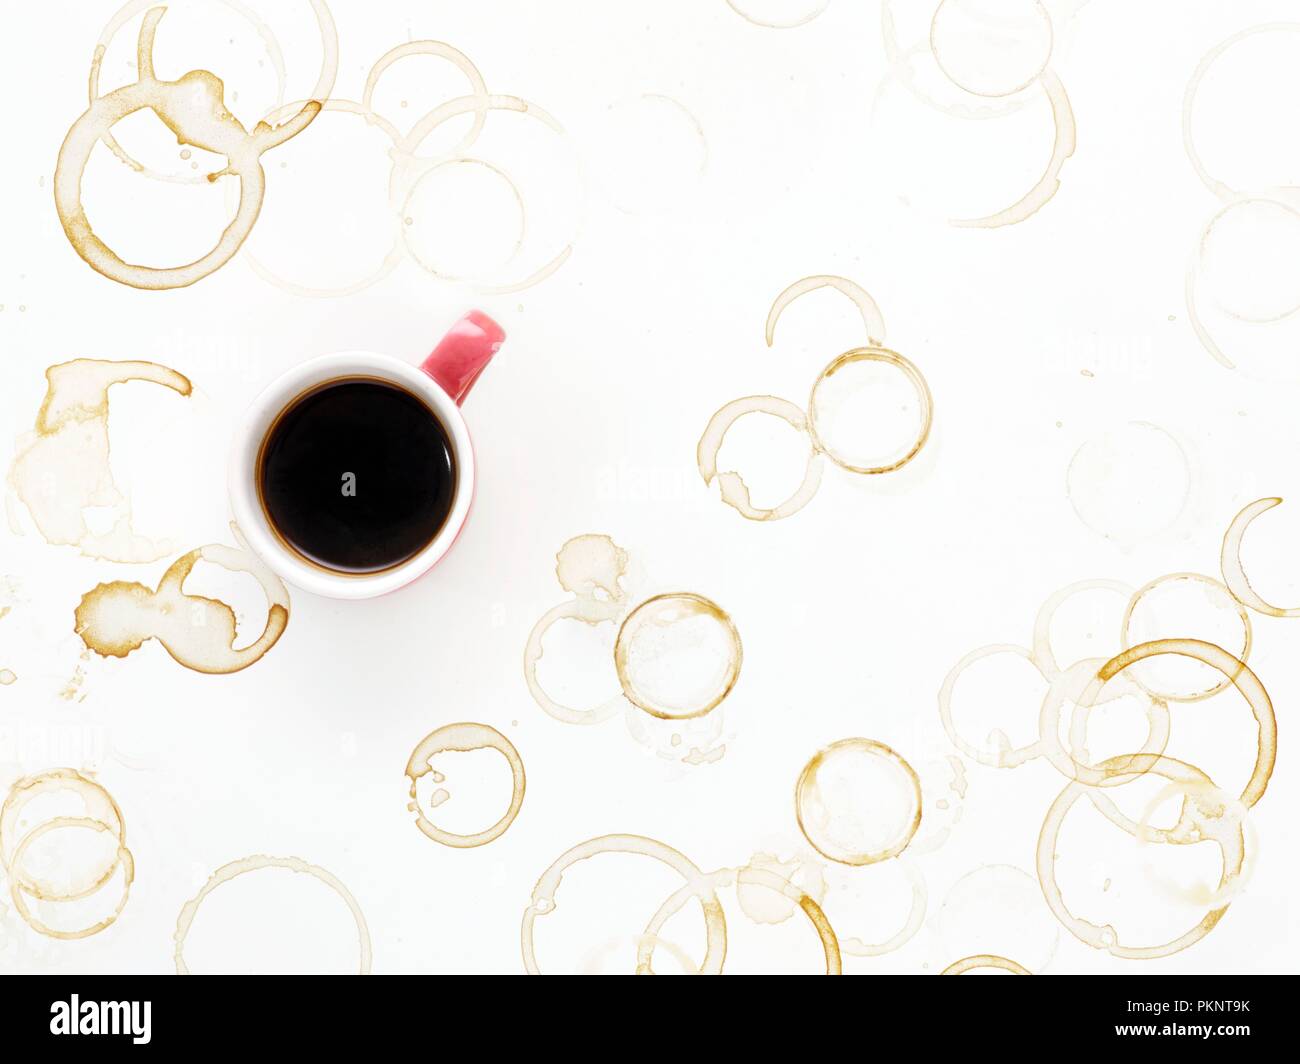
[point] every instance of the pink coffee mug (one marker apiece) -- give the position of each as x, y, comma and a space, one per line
442, 381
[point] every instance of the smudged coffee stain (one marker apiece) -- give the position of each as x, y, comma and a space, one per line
62, 469
592, 568
959, 783
748, 878
914, 377
985, 960
100, 814
1215, 806
1213, 590
324, 83
943, 792
115, 619
644, 645
255, 863
734, 491
698, 885
812, 9
710, 756
193, 108
72, 690
693, 741
821, 821
7, 676
1234, 575
463, 738
1195, 824
872, 320
767, 906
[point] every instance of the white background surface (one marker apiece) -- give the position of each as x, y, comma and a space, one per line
851, 612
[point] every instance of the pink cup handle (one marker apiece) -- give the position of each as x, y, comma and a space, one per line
463, 353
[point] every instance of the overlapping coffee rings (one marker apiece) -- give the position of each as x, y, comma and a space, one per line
732, 487
1005, 92
390, 260
463, 738
1043, 658
817, 819
544, 899
100, 814
697, 885
752, 877
1240, 676
1124, 769
194, 108
1207, 586
408, 169
1264, 192
256, 863
416, 168
676, 656
323, 87
592, 567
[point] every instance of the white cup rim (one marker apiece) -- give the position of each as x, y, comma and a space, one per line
251, 519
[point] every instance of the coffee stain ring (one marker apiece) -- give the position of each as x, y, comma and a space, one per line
914, 377
985, 960
543, 898
872, 319
17, 889
734, 491
324, 83
788, 24
392, 258
100, 806
255, 863
1106, 937
410, 168
1234, 575
806, 790
193, 108
1208, 582
463, 738
662, 611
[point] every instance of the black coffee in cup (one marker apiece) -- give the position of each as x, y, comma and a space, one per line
357, 475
